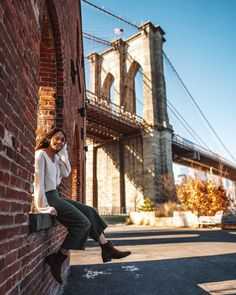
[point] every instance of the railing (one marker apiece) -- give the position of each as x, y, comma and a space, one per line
131, 118
112, 108
190, 145
114, 210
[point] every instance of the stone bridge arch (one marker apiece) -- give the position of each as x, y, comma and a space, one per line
129, 102
106, 87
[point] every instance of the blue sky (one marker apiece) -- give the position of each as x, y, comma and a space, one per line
200, 43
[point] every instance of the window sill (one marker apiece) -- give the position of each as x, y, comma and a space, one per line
40, 221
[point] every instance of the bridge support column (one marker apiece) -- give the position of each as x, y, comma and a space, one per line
157, 163
157, 141
95, 69
122, 178
95, 181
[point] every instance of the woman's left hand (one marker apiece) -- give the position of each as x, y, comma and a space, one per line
53, 212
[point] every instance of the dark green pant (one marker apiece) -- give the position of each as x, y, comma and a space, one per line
80, 220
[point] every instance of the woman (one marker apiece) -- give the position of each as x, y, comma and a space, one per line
51, 165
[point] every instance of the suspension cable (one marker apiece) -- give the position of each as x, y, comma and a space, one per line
196, 136
182, 123
96, 39
110, 13
195, 103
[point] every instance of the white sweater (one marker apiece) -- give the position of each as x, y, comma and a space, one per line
48, 176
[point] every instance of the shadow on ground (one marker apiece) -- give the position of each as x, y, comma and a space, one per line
178, 276
168, 236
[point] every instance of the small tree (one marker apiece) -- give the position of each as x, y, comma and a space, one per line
202, 197
147, 206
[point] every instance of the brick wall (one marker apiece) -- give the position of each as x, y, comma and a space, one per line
39, 42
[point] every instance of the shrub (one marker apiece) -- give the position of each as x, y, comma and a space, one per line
147, 206
202, 197
167, 209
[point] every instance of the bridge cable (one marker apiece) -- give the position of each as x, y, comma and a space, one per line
186, 125
96, 39
182, 123
195, 103
110, 13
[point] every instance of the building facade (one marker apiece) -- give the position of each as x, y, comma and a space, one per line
41, 87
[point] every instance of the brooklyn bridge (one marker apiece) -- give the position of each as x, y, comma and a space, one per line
129, 155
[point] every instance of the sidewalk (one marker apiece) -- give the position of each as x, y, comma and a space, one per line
163, 262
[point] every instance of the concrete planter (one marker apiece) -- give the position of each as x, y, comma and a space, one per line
143, 218
179, 219
185, 218
164, 221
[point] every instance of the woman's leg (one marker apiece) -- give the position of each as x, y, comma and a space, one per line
78, 227
102, 239
96, 232
97, 225
74, 220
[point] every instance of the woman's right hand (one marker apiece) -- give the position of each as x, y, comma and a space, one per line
53, 212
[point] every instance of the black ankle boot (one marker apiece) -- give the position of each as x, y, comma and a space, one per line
110, 252
55, 262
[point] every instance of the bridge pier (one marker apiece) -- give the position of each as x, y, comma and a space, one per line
157, 140
122, 177
157, 163
127, 170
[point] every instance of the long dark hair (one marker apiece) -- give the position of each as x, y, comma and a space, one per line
43, 140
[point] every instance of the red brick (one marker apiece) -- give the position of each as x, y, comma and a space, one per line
10, 281
5, 206
9, 245
4, 178
2, 191
4, 163
20, 218
12, 193
10, 258
6, 219
24, 229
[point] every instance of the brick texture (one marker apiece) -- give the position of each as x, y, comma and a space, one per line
39, 41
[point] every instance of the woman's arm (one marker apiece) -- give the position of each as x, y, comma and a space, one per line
40, 200
64, 163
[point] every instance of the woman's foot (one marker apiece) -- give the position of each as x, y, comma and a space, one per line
55, 262
110, 252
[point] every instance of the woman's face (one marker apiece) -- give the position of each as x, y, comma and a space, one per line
57, 141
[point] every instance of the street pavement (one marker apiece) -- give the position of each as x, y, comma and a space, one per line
163, 262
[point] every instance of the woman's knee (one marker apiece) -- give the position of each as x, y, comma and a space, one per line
87, 225
80, 227
93, 212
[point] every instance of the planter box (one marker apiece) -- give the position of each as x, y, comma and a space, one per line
142, 218
185, 218
164, 221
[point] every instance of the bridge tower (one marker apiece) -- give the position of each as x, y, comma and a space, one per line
152, 147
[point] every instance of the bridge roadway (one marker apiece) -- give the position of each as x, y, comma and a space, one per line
107, 122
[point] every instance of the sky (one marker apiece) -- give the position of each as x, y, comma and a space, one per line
200, 43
